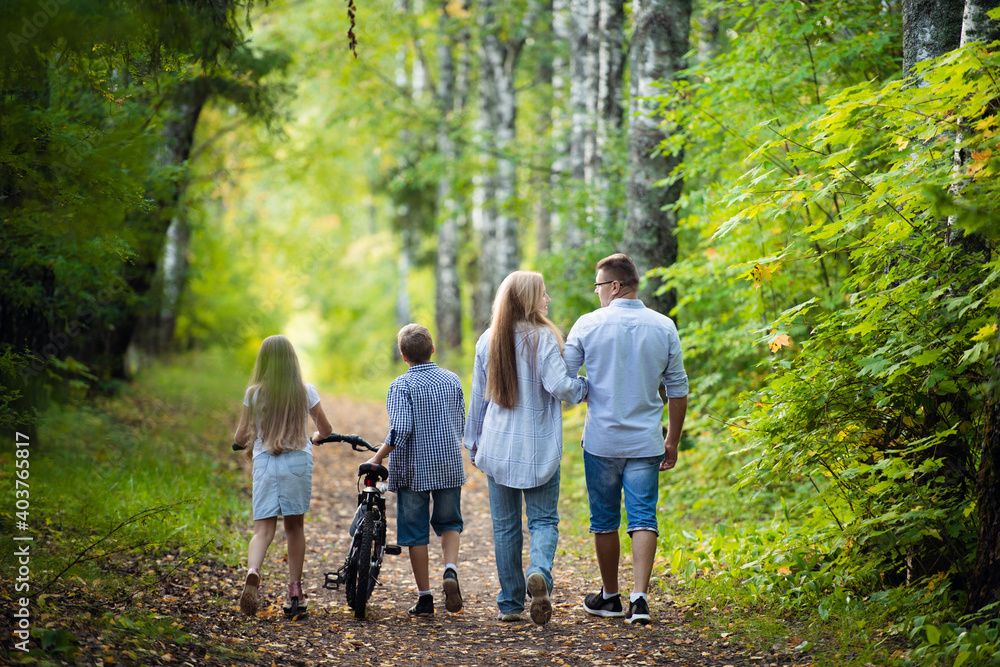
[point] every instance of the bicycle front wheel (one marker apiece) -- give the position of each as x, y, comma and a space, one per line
359, 570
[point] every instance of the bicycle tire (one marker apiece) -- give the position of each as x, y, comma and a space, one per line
363, 557
351, 571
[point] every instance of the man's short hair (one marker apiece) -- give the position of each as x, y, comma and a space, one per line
415, 343
620, 267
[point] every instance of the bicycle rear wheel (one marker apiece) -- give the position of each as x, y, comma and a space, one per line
359, 584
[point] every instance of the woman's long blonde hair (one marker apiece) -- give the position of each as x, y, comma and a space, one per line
277, 398
520, 298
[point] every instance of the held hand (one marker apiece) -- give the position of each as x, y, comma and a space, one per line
315, 436
669, 456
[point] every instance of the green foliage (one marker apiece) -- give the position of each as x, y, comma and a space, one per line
953, 644
837, 307
125, 483
884, 401
149, 463
93, 143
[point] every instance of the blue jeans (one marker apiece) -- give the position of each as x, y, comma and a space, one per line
639, 478
541, 504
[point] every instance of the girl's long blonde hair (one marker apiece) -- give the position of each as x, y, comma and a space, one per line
520, 298
277, 398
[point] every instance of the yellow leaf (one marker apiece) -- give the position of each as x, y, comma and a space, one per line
456, 9
781, 341
985, 332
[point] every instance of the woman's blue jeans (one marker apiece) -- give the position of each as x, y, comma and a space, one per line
541, 504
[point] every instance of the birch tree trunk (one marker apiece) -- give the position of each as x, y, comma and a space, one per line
484, 202
708, 35
400, 211
560, 128
610, 66
149, 334
497, 66
544, 130
976, 27
448, 304
579, 12
984, 589
592, 64
661, 39
930, 29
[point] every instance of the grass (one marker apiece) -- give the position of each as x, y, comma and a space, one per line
115, 486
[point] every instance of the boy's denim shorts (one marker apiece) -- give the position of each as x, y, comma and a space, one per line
413, 514
608, 477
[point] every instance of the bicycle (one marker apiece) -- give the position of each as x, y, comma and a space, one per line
359, 573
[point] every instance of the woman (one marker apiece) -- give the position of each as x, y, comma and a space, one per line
514, 435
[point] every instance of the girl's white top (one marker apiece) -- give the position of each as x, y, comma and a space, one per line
312, 398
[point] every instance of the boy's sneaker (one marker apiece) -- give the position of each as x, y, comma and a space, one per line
541, 604
452, 592
638, 612
424, 606
596, 604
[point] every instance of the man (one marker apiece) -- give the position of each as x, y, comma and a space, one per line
628, 350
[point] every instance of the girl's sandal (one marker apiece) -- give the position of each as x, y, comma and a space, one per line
248, 600
296, 606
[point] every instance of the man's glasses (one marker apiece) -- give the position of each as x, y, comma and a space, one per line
606, 282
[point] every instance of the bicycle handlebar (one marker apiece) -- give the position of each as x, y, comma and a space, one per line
356, 442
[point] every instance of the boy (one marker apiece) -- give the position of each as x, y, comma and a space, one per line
426, 418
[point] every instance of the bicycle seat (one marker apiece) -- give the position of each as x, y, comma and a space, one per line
373, 468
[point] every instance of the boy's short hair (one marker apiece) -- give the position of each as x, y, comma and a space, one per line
620, 267
415, 343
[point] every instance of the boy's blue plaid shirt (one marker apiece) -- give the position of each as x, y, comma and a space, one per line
426, 420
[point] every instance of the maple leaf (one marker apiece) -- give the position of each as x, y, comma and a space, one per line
779, 342
985, 332
758, 274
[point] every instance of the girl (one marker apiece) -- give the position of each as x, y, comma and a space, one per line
275, 411
514, 435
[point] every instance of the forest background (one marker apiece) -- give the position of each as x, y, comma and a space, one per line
810, 185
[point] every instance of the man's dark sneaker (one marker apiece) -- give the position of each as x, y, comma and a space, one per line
638, 612
596, 604
452, 592
424, 606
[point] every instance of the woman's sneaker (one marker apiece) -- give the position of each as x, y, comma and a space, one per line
598, 606
638, 612
541, 604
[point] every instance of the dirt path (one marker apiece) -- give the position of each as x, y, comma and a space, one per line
330, 635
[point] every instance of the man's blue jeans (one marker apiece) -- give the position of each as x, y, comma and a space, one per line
541, 505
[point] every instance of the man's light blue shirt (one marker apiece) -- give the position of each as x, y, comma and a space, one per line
628, 350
